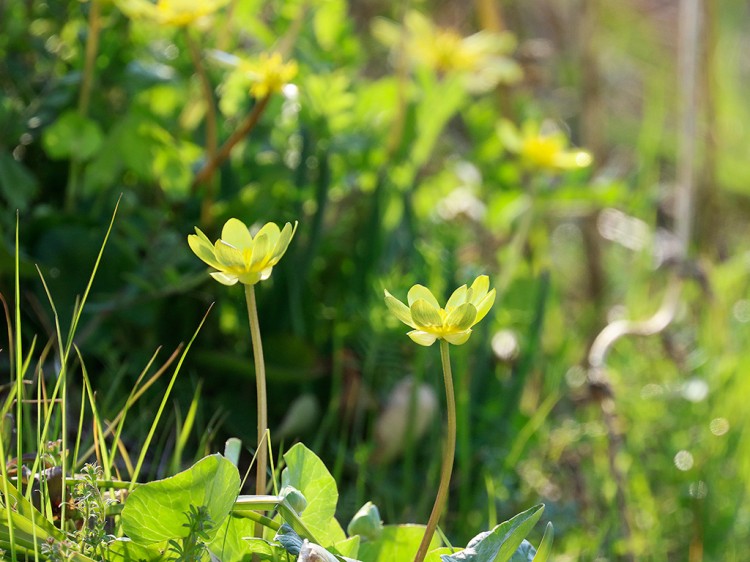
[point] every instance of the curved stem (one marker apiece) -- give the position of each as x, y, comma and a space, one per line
448, 454
208, 169
260, 382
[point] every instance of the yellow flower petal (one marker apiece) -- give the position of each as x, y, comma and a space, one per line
573, 159
260, 253
459, 338
228, 256
483, 306
271, 230
399, 309
283, 242
203, 248
236, 233
479, 288
425, 315
250, 278
457, 298
421, 292
461, 318
266, 273
223, 278
422, 338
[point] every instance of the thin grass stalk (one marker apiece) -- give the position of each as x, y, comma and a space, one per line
117, 424
6, 498
98, 428
260, 384
183, 432
448, 454
61, 384
18, 352
167, 393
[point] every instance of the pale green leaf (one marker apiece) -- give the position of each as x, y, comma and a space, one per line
545, 547
155, 512
307, 473
397, 543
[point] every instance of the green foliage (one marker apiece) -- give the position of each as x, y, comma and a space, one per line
395, 158
155, 512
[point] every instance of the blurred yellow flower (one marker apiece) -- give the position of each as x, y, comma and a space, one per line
542, 147
465, 307
481, 59
240, 256
269, 73
176, 13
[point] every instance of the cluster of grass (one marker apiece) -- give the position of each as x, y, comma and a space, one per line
410, 151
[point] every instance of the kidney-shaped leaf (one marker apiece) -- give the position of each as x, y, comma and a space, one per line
307, 473
156, 511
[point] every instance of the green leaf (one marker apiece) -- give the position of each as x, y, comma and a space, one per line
328, 23
439, 103
397, 542
17, 185
231, 541
72, 136
500, 544
307, 473
155, 512
545, 547
524, 553
125, 550
348, 547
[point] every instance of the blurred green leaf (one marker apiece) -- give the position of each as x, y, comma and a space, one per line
17, 185
72, 136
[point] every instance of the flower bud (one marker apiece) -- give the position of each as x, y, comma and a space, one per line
366, 523
294, 498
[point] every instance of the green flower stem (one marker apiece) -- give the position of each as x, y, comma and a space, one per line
448, 454
260, 381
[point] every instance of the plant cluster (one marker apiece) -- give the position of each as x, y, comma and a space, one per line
534, 147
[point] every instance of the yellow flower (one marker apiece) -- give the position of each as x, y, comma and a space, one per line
464, 309
480, 59
240, 256
176, 13
269, 73
542, 147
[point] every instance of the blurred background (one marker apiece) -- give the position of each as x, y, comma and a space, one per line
589, 156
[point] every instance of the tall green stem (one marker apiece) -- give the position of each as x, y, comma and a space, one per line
448, 454
260, 381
